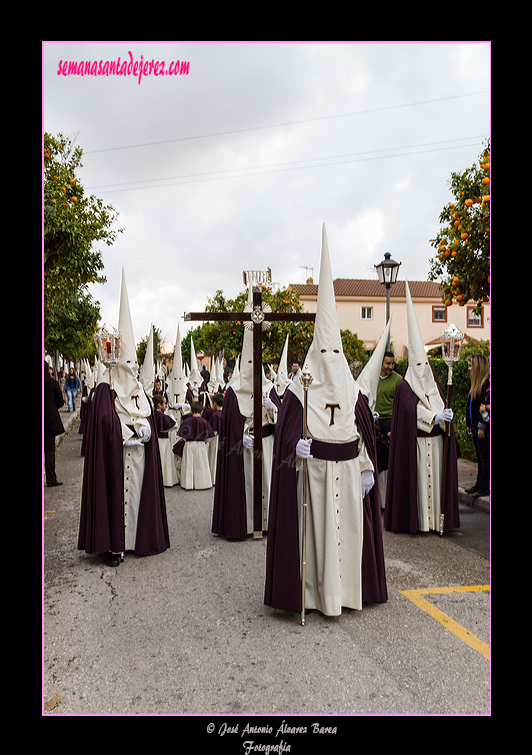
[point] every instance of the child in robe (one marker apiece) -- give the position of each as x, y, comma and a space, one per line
214, 421
194, 432
165, 423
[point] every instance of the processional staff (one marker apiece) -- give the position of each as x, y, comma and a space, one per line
305, 380
451, 346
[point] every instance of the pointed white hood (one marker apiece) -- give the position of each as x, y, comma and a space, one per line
333, 392
129, 390
178, 382
194, 377
242, 384
282, 381
419, 374
128, 352
368, 380
147, 375
212, 385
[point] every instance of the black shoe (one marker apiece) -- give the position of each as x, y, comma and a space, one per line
53, 484
471, 490
481, 492
112, 559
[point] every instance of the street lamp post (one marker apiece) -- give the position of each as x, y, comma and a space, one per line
387, 271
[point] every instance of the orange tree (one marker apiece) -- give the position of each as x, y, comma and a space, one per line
72, 223
462, 261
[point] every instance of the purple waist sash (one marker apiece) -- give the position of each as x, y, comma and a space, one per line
334, 451
436, 430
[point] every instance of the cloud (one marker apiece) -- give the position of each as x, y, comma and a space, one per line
237, 164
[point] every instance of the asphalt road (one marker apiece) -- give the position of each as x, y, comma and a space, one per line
186, 633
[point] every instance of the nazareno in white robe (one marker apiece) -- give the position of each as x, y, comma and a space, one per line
334, 531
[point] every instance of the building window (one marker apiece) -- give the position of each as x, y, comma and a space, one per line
367, 313
439, 314
473, 320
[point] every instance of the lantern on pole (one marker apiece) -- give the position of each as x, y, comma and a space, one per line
109, 344
451, 347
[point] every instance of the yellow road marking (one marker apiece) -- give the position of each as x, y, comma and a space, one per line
416, 597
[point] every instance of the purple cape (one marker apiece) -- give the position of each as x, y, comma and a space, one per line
163, 422
101, 526
229, 506
193, 427
214, 420
400, 513
283, 579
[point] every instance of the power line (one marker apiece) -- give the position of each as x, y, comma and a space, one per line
287, 123
201, 176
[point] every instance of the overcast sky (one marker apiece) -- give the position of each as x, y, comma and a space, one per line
237, 164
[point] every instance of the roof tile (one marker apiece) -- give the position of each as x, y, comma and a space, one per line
372, 288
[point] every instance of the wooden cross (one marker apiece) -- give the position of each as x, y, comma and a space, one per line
259, 318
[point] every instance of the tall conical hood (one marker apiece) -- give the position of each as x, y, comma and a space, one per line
242, 384
419, 374
177, 383
125, 326
147, 375
282, 381
128, 389
368, 380
332, 394
194, 377
220, 375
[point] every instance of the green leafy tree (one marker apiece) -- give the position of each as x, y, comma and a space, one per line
462, 262
143, 345
212, 338
73, 222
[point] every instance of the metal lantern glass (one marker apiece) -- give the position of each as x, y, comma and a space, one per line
451, 347
387, 270
109, 343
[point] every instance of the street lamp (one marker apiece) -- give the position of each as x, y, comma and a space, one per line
387, 271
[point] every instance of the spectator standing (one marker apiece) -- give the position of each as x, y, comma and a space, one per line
479, 395
52, 425
72, 386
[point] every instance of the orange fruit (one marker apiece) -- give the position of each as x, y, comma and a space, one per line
485, 181
464, 236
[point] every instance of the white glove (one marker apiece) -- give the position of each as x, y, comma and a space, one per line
303, 449
133, 443
445, 416
176, 407
144, 433
247, 440
367, 480
376, 416
268, 403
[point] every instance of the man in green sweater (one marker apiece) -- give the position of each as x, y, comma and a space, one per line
385, 393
